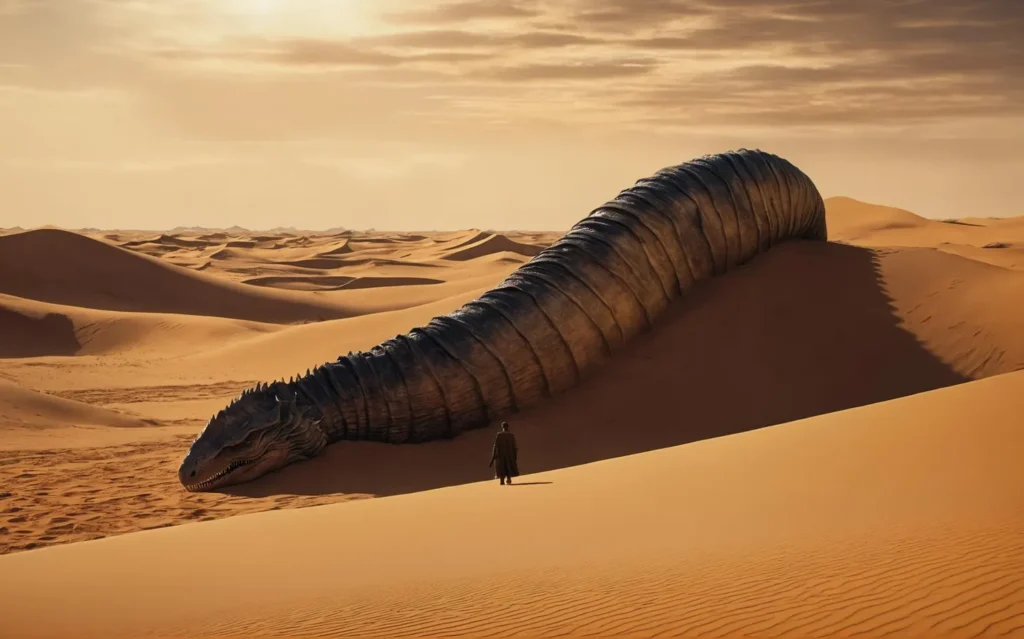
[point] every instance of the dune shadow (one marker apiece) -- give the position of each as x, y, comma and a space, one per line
25, 336
804, 329
959, 223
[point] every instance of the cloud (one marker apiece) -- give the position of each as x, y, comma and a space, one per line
324, 52
689, 62
628, 16
829, 61
571, 71
388, 50
389, 166
315, 53
461, 39
466, 11
125, 166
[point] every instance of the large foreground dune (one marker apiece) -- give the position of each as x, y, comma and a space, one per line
117, 346
902, 518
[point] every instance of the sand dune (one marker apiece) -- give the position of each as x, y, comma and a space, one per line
489, 244
849, 217
957, 308
65, 268
36, 329
32, 423
21, 407
462, 239
240, 244
321, 263
225, 254
337, 283
905, 517
27, 330
342, 248
863, 224
287, 352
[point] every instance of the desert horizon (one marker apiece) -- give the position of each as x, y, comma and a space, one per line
296, 231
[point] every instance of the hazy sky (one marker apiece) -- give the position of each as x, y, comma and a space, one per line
421, 114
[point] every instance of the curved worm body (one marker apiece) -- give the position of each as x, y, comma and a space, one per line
555, 319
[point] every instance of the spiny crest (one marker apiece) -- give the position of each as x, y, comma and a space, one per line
285, 393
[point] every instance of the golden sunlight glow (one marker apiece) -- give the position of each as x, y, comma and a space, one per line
297, 18
262, 6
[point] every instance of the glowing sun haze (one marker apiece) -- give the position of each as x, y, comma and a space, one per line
422, 114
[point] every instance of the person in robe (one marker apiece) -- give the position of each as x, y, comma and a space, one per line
504, 455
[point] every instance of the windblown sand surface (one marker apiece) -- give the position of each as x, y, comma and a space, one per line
117, 346
902, 518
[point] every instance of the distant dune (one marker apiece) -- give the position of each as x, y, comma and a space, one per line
341, 248
483, 245
37, 329
65, 268
463, 239
862, 224
24, 408
337, 283
849, 216
34, 332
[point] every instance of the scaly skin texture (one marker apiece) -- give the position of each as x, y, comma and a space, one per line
558, 317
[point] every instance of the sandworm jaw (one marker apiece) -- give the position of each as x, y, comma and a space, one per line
213, 480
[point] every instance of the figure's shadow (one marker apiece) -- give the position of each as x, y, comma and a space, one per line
803, 329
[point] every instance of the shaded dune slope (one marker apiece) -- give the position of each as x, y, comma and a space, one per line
488, 244
341, 248
30, 333
29, 328
66, 268
336, 282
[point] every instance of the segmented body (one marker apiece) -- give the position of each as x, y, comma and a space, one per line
567, 310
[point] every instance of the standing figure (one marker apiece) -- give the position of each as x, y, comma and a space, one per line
504, 455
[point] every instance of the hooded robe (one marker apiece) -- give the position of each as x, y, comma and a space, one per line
504, 455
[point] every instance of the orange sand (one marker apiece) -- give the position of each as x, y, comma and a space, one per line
902, 517
905, 517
